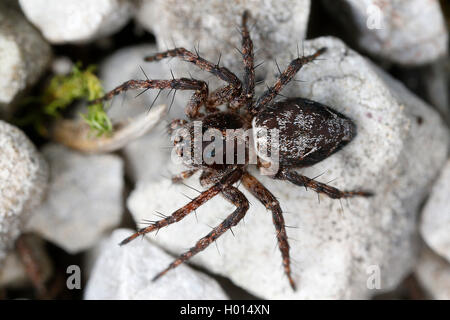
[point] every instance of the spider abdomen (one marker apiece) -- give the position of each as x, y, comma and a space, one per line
308, 131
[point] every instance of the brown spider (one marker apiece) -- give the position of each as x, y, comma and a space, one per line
309, 132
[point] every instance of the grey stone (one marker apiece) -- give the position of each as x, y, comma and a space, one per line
84, 199
62, 65
435, 224
77, 20
23, 181
24, 55
125, 273
214, 26
146, 157
433, 274
437, 86
409, 32
336, 245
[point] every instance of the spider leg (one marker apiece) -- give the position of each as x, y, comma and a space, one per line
186, 55
175, 124
208, 178
198, 98
247, 52
221, 96
258, 190
334, 193
176, 84
242, 205
184, 175
284, 78
179, 214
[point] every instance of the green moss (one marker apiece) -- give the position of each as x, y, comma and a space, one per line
62, 91
97, 119
79, 84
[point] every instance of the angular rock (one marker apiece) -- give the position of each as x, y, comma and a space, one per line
400, 146
24, 55
433, 274
23, 181
126, 273
77, 20
84, 199
409, 32
214, 25
435, 224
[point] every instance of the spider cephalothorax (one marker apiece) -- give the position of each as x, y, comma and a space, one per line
306, 132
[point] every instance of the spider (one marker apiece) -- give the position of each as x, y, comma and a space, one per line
309, 132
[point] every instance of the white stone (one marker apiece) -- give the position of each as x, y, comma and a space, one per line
62, 65
333, 252
84, 199
146, 158
435, 224
214, 26
124, 273
410, 32
23, 181
433, 274
24, 55
77, 20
